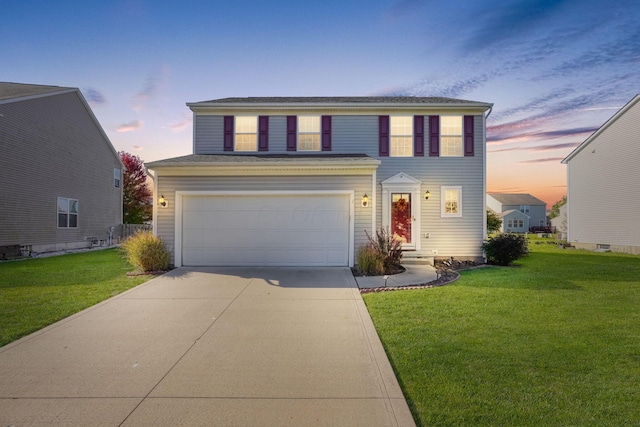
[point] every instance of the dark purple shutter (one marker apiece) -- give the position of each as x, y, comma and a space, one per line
263, 133
326, 133
468, 136
383, 132
292, 130
434, 136
418, 136
228, 133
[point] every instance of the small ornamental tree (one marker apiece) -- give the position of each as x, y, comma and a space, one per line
493, 222
136, 195
555, 209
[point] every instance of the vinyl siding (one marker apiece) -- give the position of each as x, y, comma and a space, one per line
168, 185
604, 185
50, 147
358, 134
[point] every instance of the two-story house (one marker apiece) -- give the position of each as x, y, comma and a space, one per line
520, 213
603, 185
61, 177
302, 181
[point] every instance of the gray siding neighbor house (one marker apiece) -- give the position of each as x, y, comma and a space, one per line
61, 177
302, 181
520, 212
603, 185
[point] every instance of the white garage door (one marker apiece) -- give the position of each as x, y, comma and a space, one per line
276, 230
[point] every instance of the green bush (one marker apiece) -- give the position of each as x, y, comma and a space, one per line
504, 249
146, 252
388, 248
370, 263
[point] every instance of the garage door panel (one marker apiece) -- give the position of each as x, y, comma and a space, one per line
266, 230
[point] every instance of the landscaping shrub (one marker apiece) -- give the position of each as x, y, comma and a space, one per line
388, 248
146, 252
370, 262
504, 249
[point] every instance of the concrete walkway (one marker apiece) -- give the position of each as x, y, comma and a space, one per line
415, 274
209, 346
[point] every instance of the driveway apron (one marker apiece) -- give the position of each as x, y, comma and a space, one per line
209, 346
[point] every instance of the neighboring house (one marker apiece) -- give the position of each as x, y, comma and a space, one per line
603, 185
61, 177
520, 212
302, 181
560, 222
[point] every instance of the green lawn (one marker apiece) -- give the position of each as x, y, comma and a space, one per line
552, 342
37, 292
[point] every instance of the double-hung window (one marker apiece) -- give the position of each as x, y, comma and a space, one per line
308, 133
67, 213
116, 178
451, 201
401, 136
451, 136
246, 133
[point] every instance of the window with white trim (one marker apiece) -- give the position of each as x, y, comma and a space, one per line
451, 136
451, 201
401, 136
116, 178
246, 133
67, 213
525, 208
308, 133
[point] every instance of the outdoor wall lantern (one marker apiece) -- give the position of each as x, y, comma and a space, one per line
427, 195
365, 201
162, 202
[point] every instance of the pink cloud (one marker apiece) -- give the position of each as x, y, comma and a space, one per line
130, 127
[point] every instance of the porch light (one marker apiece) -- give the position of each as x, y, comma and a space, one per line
365, 201
162, 202
427, 195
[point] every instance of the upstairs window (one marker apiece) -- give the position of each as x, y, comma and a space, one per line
116, 178
67, 213
401, 136
246, 133
525, 209
451, 136
309, 133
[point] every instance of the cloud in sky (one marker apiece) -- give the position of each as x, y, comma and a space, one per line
181, 125
545, 160
94, 97
130, 127
547, 147
152, 87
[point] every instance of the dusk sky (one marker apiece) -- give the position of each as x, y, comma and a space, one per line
554, 70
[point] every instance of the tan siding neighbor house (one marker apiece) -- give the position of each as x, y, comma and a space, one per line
61, 177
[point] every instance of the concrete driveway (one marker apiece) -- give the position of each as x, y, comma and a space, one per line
209, 346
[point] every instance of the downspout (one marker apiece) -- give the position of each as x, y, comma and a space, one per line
154, 221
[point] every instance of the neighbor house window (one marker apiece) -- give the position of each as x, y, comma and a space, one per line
116, 178
451, 201
451, 136
401, 136
524, 209
309, 133
67, 213
246, 133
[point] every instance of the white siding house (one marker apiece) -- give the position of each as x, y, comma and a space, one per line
302, 181
520, 213
603, 185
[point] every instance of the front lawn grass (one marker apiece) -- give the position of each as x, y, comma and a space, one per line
37, 292
554, 341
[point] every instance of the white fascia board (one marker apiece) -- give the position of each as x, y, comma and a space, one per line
244, 169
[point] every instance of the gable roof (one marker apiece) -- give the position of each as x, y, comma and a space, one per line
340, 101
602, 128
515, 212
517, 199
16, 91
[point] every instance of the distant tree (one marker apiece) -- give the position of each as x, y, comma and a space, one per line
136, 195
555, 209
493, 222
